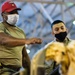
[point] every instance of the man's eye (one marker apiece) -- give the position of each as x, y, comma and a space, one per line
10, 13
56, 29
62, 28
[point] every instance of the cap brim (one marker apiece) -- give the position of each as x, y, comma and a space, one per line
13, 9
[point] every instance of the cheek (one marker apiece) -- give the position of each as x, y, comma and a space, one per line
5, 17
56, 32
64, 29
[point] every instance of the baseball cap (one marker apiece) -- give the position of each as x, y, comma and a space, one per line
9, 6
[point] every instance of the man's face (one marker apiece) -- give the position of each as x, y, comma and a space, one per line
9, 13
10, 17
57, 28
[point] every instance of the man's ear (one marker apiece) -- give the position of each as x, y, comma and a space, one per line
67, 30
52, 32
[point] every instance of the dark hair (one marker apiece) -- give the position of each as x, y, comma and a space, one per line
56, 22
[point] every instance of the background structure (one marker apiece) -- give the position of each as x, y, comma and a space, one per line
36, 17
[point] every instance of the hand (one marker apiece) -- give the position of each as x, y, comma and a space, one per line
34, 41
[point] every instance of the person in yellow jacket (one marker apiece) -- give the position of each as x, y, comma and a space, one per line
13, 53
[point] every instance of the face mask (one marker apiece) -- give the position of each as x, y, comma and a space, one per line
12, 19
61, 36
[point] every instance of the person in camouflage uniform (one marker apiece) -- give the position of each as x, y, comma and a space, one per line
59, 31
